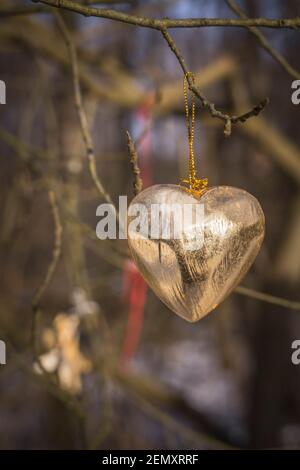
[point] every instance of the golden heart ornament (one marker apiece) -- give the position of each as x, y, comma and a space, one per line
193, 268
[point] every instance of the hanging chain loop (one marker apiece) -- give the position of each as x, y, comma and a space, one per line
195, 186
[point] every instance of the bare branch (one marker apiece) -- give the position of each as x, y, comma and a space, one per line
21, 10
226, 118
81, 112
253, 112
167, 23
263, 41
56, 250
51, 269
270, 299
138, 183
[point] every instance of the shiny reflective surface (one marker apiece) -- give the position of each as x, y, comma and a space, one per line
193, 278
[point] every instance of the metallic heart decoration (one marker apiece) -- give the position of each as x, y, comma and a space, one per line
194, 268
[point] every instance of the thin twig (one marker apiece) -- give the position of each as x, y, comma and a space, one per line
88, 142
56, 250
263, 41
50, 271
138, 398
226, 118
17, 10
253, 112
167, 23
270, 299
138, 183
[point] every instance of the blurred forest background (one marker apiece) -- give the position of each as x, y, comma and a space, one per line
94, 359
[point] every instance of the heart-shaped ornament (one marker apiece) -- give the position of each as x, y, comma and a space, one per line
194, 250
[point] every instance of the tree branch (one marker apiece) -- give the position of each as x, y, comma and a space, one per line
138, 183
262, 40
56, 249
270, 299
50, 271
167, 23
88, 142
226, 118
21, 10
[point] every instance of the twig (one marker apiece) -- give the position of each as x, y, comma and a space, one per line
56, 249
263, 41
226, 118
253, 112
167, 23
88, 142
50, 271
271, 299
195, 438
139, 397
138, 183
21, 10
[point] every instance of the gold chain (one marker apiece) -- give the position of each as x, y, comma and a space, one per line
190, 124
195, 186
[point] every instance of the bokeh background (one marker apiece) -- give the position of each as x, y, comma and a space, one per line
121, 371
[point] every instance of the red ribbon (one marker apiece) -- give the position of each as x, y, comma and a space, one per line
134, 287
